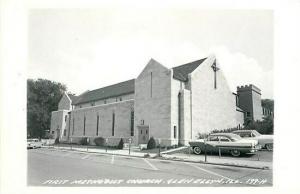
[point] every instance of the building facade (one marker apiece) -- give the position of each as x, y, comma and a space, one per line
172, 105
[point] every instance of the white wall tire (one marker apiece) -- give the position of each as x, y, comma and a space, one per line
235, 153
197, 150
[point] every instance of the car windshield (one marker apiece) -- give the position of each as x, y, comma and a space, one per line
235, 137
256, 133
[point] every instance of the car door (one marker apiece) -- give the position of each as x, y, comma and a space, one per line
224, 144
212, 142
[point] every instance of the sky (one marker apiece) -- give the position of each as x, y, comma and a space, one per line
86, 49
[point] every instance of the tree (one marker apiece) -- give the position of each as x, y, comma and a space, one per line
264, 127
43, 97
268, 104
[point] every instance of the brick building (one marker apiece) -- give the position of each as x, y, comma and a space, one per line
172, 105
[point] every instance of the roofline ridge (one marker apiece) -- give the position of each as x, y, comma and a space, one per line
189, 63
111, 85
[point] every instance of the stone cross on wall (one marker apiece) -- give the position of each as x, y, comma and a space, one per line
215, 69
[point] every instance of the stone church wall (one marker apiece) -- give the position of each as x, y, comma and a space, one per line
59, 120
211, 108
64, 103
122, 111
153, 106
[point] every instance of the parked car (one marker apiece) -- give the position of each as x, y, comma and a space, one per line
34, 143
266, 141
226, 142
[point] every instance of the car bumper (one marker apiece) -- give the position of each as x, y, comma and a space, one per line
256, 148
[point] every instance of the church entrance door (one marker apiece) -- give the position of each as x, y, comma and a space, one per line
143, 134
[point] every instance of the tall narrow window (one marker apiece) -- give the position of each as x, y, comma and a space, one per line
84, 125
97, 130
113, 125
179, 115
151, 84
73, 126
132, 122
175, 132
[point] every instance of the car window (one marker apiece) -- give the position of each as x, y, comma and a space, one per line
224, 139
213, 138
256, 134
235, 137
247, 135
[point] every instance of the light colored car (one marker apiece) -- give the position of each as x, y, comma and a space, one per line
34, 143
266, 141
226, 143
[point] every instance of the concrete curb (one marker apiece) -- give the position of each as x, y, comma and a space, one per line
220, 164
168, 159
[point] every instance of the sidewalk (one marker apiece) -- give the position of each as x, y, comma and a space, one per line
215, 160
226, 161
124, 152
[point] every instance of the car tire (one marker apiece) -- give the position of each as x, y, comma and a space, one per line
269, 146
235, 153
197, 150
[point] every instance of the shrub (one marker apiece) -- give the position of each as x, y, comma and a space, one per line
266, 126
48, 136
121, 144
147, 155
99, 141
56, 141
83, 141
151, 143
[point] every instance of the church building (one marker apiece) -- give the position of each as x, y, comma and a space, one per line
171, 105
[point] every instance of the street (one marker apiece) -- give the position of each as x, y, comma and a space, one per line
50, 167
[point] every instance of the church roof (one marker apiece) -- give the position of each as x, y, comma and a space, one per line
115, 90
72, 97
181, 72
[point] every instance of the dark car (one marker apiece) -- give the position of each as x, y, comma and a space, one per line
226, 142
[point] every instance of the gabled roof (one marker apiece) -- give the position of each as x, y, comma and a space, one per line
72, 97
181, 72
115, 90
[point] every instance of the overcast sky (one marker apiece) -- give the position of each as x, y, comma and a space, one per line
87, 49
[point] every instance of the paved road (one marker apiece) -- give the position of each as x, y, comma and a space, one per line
49, 167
